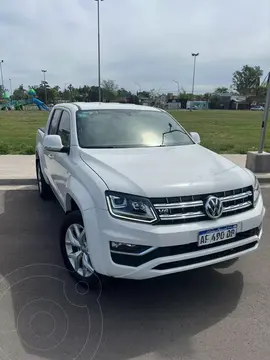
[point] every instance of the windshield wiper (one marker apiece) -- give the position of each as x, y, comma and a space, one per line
170, 131
100, 147
114, 147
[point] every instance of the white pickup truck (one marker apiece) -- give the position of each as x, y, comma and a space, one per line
142, 198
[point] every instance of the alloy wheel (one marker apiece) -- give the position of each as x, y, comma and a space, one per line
77, 250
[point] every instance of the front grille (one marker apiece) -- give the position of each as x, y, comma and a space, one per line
183, 209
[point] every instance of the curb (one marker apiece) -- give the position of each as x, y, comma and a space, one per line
263, 179
19, 182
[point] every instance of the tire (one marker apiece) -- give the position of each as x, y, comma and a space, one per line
79, 266
225, 264
44, 189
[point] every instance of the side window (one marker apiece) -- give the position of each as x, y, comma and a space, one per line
64, 129
54, 122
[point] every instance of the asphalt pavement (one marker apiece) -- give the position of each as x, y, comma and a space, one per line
199, 315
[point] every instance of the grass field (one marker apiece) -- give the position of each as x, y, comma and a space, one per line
221, 131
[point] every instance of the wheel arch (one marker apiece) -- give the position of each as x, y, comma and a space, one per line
77, 197
41, 163
71, 204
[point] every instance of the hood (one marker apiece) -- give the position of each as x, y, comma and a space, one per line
165, 171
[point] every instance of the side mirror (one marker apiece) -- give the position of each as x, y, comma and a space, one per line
53, 143
196, 137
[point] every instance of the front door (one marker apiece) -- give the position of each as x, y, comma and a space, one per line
61, 161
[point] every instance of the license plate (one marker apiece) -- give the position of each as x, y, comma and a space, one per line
211, 236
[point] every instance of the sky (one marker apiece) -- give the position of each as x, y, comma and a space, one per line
144, 43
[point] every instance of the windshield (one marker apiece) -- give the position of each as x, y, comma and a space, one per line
128, 128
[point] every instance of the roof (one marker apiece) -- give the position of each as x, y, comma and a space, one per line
238, 98
105, 106
227, 94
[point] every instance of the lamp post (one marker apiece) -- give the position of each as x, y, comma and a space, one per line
178, 87
44, 82
10, 87
265, 117
194, 55
98, 24
2, 77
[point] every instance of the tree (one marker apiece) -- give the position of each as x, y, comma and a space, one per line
111, 92
221, 90
260, 95
247, 80
261, 91
55, 94
133, 99
57, 88
109, 88
153, 94
20, 93
206, 96
83, 93
40, 91
93, 94
123, 93
70, 92
144, 94
184, 96
214, 102
65, 94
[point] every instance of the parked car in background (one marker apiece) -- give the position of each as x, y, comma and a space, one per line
257, 108
193, 107
142, 198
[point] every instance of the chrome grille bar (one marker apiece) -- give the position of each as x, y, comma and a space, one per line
200, 213
237, 207
176, 210
179, 205
182, 216
236, 197
200, 202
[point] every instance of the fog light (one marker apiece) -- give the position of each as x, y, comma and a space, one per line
117, 244
127, 248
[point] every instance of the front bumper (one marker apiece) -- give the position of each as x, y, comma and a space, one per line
173, 247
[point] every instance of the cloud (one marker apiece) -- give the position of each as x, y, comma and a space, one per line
147, 42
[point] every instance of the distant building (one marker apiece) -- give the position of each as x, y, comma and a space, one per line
174, 104
239, 102
145, 101
163, 99
231, 101
200, 105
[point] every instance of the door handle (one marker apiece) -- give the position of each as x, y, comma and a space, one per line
50, 156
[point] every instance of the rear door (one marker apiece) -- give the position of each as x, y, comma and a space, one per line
49, 155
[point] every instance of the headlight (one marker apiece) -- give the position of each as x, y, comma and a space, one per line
256, 191
130, 207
